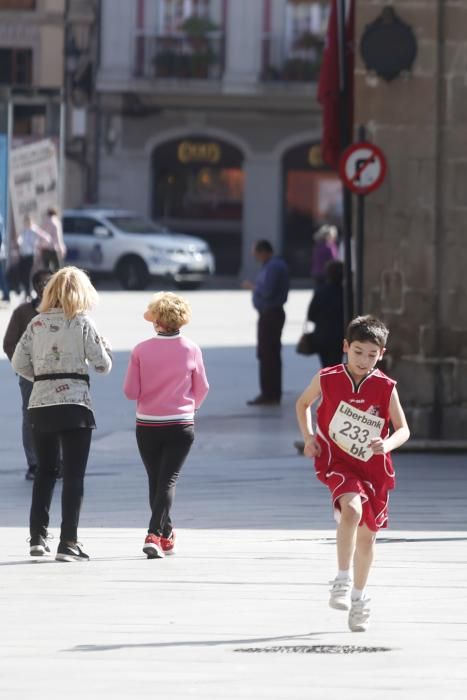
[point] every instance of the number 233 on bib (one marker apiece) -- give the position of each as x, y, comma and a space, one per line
352, 430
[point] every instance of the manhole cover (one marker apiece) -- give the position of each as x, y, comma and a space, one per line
314, 649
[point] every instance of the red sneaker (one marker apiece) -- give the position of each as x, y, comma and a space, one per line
168, 543
153, 547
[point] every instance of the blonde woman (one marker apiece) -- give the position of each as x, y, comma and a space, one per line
166, 377
55, 352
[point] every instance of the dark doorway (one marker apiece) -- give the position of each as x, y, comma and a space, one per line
198, 186
312, 197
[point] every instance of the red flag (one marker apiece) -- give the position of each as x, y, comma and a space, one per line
329, 84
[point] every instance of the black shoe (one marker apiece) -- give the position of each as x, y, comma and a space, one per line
261, 401
38, 546
68, 552
31, 472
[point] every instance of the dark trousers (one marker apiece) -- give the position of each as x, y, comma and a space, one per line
270, 325
24, 267
3, 281
50, 260
163, 451
28, 442
74, 445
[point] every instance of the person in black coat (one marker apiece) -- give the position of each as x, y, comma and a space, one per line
326, 311
17, 325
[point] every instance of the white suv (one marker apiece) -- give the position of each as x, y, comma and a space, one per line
125, 244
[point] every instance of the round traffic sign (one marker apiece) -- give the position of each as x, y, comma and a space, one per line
362, 167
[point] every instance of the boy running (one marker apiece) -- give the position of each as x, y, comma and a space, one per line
357, 404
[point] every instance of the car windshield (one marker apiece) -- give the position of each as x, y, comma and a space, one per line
135, 224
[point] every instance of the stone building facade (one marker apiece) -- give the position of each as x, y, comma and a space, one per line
217, 135
416, 223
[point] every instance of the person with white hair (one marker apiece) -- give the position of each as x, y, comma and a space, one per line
325, 250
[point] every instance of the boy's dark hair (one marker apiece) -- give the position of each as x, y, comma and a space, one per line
367, 329
263, 246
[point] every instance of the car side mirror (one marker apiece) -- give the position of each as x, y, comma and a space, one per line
101, 232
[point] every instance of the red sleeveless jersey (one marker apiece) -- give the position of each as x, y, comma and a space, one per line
347, 417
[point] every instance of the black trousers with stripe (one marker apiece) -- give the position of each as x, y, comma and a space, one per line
163, 451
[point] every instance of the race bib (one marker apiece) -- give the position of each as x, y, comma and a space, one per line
352, 430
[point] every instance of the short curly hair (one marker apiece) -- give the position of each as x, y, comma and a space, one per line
170, 310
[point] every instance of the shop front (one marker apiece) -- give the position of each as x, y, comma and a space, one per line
312, 196
197, 187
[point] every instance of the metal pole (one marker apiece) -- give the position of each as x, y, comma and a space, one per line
345, 140
9, 140
359, 253
360, 241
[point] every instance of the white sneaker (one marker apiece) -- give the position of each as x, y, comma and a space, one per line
359, 615
340, 593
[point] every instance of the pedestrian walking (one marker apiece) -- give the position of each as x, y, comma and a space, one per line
27, 245
167, 379
351, 447
19, 321
55, 352
270, 293
53, 250
326, 311
325, 250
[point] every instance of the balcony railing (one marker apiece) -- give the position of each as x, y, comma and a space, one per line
179, 56
299, 62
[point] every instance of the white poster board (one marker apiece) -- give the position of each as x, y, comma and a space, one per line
33, 180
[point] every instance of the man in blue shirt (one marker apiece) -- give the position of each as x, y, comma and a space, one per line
269, 296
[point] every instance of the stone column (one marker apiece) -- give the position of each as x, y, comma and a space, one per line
118, 26
243, 48
415, 224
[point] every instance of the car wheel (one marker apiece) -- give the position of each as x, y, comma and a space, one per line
133, 273
188, 285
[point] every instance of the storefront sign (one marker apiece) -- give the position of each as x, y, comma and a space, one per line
33, 180
199, 152
315, 156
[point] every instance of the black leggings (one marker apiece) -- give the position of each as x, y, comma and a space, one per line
163, 451
75, 445
25, 266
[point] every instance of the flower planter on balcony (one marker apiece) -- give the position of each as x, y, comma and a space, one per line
300, 69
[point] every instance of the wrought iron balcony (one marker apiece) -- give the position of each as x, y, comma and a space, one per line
298, 62
179, 56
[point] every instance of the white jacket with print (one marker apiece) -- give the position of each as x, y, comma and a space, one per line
53, 344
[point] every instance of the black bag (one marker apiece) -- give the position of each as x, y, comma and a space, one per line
308, 344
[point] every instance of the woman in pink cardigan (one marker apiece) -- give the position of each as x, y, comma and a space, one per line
166, 377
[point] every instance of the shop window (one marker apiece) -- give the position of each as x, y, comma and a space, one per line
198, 185
305, 20
312, 196
174, 12
16, 66
198, 179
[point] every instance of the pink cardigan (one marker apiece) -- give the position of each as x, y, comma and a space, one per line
166, 377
